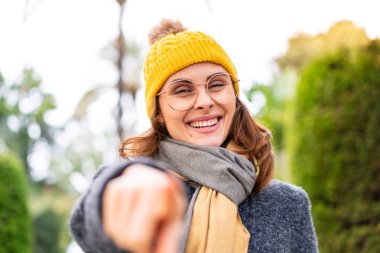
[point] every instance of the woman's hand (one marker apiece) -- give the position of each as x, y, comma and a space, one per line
143, 210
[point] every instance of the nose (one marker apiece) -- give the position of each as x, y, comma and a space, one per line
203, 100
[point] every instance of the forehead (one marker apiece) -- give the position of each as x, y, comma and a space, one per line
197, 72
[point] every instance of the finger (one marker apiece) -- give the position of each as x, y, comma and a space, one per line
170, 231
122, 218
118, 200
145, 217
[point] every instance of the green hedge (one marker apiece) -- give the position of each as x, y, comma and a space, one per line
47, 230
15, 221
335, 147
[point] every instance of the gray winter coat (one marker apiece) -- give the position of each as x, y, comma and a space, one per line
278, 218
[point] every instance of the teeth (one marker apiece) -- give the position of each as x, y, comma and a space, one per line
206, 123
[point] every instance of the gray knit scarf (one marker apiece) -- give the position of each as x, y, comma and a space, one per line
215, 167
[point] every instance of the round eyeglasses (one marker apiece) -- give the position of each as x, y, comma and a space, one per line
182, 93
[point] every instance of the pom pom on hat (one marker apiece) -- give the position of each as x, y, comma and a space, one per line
173, 49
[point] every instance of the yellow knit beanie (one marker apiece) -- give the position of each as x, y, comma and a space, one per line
176, 51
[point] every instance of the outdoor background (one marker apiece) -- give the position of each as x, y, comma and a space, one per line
71, 87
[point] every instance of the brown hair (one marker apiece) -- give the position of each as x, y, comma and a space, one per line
253, 138
255, 141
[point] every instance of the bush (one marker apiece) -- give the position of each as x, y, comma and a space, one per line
335, 147
15, 221
48, 226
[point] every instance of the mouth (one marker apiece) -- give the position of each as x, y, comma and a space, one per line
204, 123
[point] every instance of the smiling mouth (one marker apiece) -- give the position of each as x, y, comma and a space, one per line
204, 123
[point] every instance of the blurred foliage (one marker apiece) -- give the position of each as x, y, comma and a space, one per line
23, 110
79, 158
127, 57
279, 94
47, 240
335, 148
273, 115
304, 48
73, 152
23, 107
276, 96
15, 220
50, 207
323, 110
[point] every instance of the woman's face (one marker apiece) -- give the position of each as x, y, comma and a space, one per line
207, 121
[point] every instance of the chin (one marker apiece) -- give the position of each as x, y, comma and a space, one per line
207, 142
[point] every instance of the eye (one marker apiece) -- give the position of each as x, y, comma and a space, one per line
217, 85
181, 89
218, 82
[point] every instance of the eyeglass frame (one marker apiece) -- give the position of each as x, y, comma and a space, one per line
232, 77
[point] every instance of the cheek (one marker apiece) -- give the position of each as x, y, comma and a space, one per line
231, 110
173, 120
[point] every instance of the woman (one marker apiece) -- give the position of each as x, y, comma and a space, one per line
200, 180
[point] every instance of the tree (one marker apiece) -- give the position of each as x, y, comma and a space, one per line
23, 107
15, 220
127, 59
279, 94
303, 48
274, 114
49, 224
276, 96
334, 147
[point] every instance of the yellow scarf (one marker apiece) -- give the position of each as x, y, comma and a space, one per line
216, 226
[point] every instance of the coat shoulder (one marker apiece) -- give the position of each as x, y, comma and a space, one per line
281, 190
282, 197
279, 218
